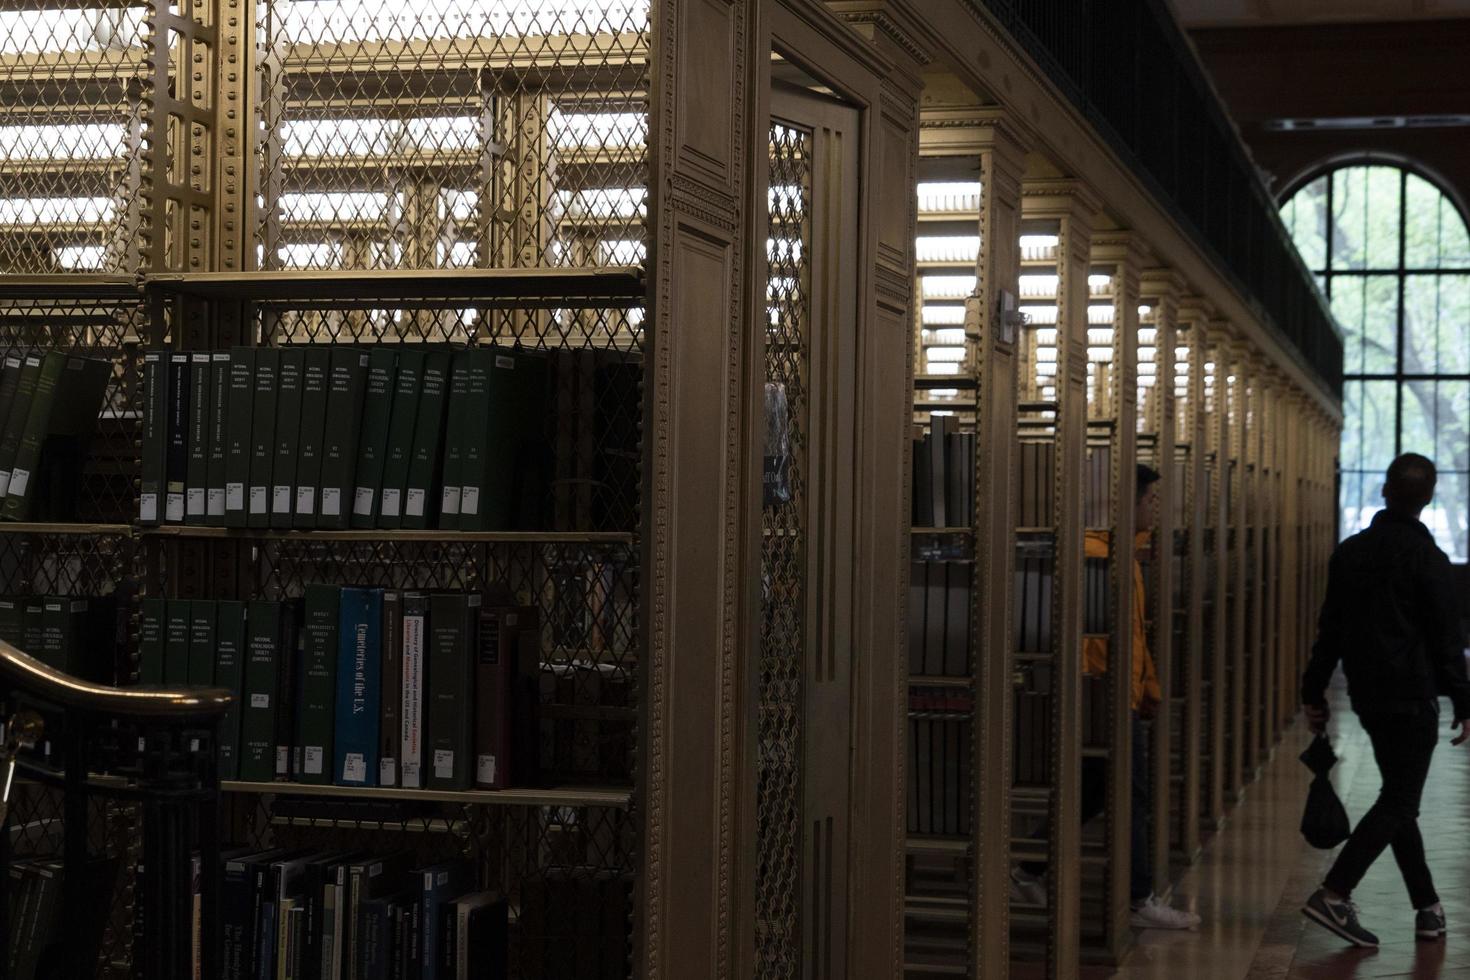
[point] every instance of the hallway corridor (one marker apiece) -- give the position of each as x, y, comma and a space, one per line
1250, 882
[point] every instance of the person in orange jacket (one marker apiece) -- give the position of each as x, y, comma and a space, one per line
1027, 879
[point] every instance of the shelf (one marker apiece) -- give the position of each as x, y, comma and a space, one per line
937, 844
66, 527
942, 530
601, 796
550, 288
80, 286
924, 680
958, 381
428, 534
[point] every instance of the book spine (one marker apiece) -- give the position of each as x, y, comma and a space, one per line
346, 392
201, 642
229, 673
391, 702
413, 642
154, 452
196, 469
491, 687
401, 425
150, 642
238, 419
454, 440
359, 686
288, 684
372, 448
424, 469
289, 383
316, 372
219, 407
257, 708
453, 624
38, 422
319, 690
262, 437
15, 422
472, 438
176, 642
177, 439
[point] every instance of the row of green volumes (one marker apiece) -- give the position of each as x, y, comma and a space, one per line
75, 634
335, 437
49, 403
358, 687
352, 915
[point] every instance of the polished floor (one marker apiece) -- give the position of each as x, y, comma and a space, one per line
1250, 882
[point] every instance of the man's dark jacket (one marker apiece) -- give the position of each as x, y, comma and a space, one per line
1393, 618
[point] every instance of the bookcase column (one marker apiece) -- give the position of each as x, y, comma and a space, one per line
1159, 291
1238, 649
1255, 635
1217, 369
1072, 206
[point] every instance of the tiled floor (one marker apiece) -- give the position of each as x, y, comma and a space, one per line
1251, 881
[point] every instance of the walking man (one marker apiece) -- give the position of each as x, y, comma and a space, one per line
1392, 619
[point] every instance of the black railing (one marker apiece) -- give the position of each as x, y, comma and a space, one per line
109, 845
1128, 68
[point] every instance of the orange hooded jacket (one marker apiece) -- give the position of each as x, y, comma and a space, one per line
1095, 648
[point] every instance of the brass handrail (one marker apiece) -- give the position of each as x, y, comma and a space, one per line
22, 671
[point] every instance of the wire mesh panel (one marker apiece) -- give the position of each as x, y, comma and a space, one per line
488, 133
70, 136
783, 558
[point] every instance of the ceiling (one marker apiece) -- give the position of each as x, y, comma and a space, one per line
1267, 13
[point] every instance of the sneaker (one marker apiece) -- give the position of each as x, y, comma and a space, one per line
1027, 888
1338, 917
1429, 923
1154, 914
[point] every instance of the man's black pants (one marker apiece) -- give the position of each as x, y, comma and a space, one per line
1403, 744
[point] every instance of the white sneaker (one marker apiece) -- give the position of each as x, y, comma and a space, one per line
1027, 889
1154, 914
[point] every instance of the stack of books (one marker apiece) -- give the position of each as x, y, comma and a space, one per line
1031, 758
416, 436
359, 687
944, 475
44, 933
940, 743
49, 403
1037, 483
939, 618
75, 634
349, 915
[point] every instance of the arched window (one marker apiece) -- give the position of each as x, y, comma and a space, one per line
1390, 250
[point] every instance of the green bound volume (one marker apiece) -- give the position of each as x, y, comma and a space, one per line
453, 630
372, 443
201, 642
238, 418
263, 662
289, 381
176, 622
176, 438
150, 642
219, 407
346, 387
471, 438
12, 628
196, 476
420, 501
62, 621
390, 705
399, 451
38, 423
229, 673
10, 368
288, 684
454, 438
515, 405
69, 412
262, 437
316, 371
15, 422
32, 609
319, 683
155, 427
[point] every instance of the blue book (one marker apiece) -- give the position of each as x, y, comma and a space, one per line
438, 885
359, 687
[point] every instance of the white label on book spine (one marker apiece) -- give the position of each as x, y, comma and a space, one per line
194, 502
306, 500
390, 501
260, 700
18, 480
485, 769
216, 502
148, 507
387, 772
332, 501
281, 500
354, 768
173, 507
413, 505
469, 501
508, 363
283, 759
362, 501
312, 763
258, 500
4, 481
449, 503
443, 763
234, 496
411, 775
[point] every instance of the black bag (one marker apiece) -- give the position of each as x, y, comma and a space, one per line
1324, 821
